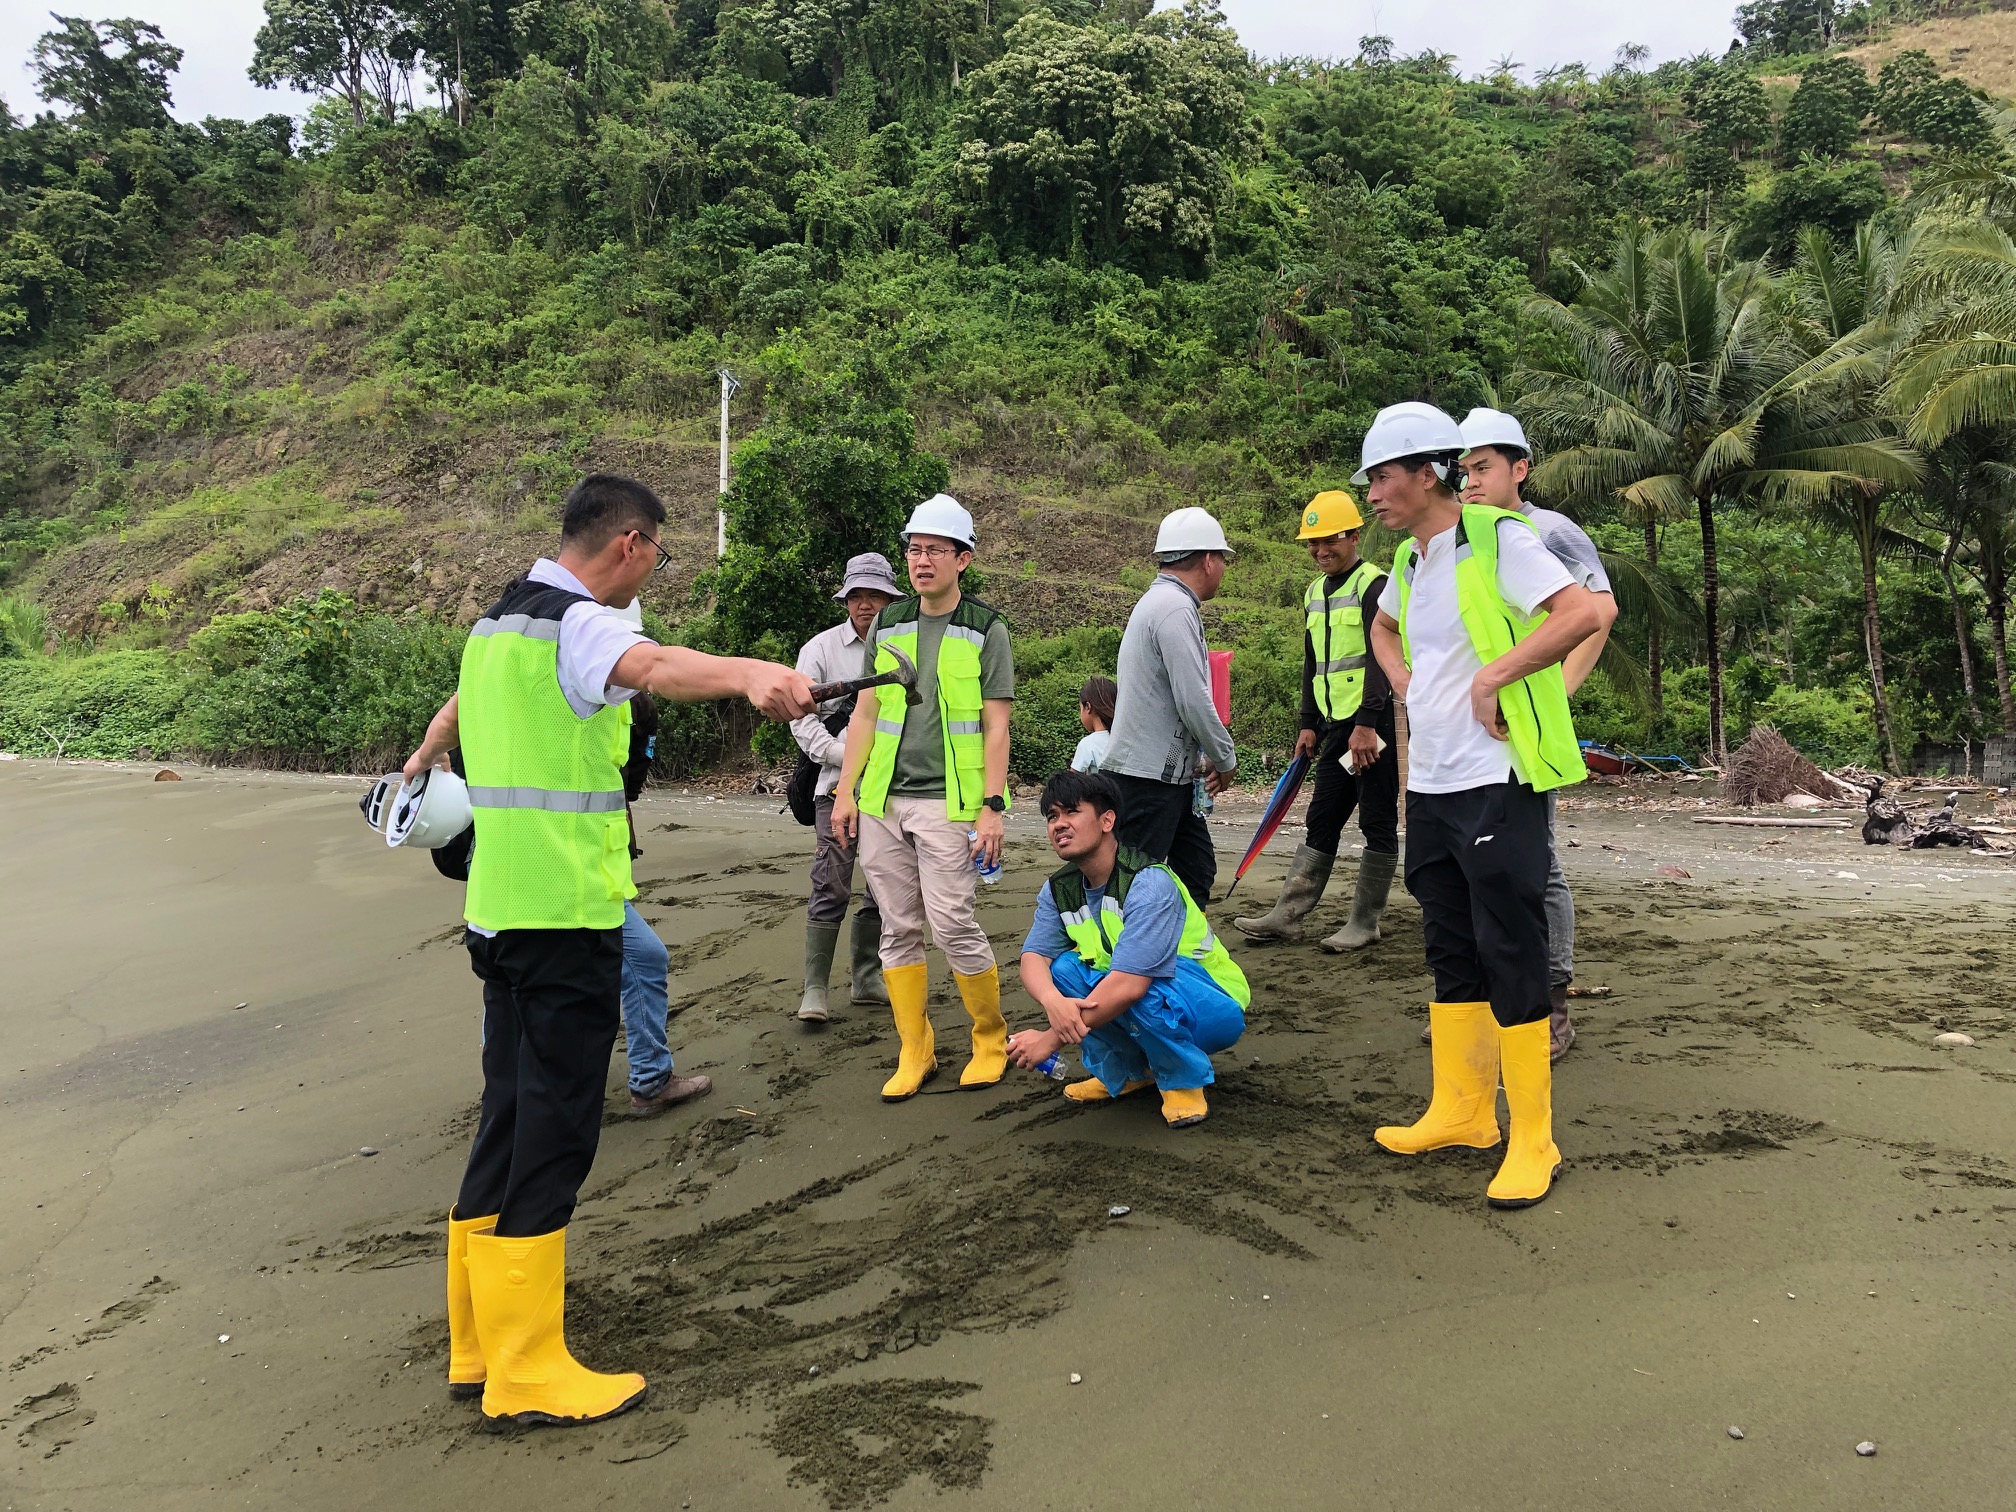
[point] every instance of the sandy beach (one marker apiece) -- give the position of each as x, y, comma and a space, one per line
1785, 1209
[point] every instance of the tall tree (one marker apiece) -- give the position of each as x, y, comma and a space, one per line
113, 73
1680, 397
1109, 140
358, 50
1839, 313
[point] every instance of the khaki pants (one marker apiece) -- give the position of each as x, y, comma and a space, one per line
920, 868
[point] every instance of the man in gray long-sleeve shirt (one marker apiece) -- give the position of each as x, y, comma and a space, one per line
1165, 725
834, 655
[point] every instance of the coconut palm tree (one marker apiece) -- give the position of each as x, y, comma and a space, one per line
1838, 310
1683, 392
1952, 379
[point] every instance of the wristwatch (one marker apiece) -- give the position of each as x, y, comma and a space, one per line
997, 803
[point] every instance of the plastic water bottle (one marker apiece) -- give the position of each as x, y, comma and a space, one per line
1053, 1067
989, 873
1201, 801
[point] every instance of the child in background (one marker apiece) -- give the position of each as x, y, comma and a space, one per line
1095, 713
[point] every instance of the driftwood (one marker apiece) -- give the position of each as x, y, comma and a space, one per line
1761, 823
1889, 824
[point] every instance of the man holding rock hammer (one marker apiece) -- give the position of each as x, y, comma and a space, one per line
541, 712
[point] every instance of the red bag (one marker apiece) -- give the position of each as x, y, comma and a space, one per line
1221, 685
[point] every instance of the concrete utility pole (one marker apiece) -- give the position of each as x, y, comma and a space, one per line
729, 383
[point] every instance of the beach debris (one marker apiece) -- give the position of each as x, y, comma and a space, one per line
1802, 801
223, 1338
8, 756
1849, 876
1937, 1021
1589, 992
1943, 829
1674, 871
1867, 1449
813, 1371
1767, 769
1954, 1041
167, 775
1735, 1432
1076, 1378
236, 1006
1118, 1210
861, 1351
1761, 822
367, 1150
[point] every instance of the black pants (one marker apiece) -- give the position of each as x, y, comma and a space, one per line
552, 999
1477, 864
1156, 819
1374, 793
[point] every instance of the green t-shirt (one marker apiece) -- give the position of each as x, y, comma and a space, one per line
920, 754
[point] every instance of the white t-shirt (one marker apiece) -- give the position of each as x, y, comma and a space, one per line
1448, 751
593, 638
1091, 751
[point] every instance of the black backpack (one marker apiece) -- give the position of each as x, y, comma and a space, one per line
799, 794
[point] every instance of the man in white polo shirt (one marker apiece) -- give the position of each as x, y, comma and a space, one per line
1473, 624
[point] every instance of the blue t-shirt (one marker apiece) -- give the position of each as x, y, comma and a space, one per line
1147, 946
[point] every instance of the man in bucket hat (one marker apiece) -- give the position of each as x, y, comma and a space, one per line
835, 655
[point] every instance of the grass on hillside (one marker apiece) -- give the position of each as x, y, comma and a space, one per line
1981, 49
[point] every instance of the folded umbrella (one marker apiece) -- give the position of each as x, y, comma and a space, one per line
1285, 793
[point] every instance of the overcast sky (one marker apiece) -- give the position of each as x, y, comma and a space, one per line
216, 36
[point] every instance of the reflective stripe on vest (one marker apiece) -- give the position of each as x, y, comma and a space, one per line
1094, 935
552, 843
549, 800
1336, 626
959, 706
1545, 752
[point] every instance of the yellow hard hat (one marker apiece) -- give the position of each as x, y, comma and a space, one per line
1331, 512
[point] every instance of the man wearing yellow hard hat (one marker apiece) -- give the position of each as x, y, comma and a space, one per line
1347, 727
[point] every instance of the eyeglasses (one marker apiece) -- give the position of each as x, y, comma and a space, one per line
930, 553
659, 565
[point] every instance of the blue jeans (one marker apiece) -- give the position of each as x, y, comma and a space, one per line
1170, 1035
645, 964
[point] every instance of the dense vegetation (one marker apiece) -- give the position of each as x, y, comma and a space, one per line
1756, 309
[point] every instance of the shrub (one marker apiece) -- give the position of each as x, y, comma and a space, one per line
107, 707
1825, 725
317, 684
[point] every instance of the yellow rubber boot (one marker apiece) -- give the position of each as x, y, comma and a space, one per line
465, 1355
1093, 1090
519, 1288
1180, 1109
1464, 1108
918, 1063
981, 994
1531, 1156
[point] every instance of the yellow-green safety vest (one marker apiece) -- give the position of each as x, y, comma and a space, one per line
1094, 933
552, 840
959, 704
1336, 625
1535, 708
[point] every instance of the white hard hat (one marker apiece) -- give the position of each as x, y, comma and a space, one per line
941, 515
632, 613
429, 811
1412, 429
1489, 427
1187, 530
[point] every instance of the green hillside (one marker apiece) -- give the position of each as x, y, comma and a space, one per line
284, 405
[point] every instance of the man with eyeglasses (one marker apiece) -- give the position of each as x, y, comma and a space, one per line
541, 712
919, 778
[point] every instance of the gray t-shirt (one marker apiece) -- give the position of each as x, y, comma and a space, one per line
920, 753
1570, 545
